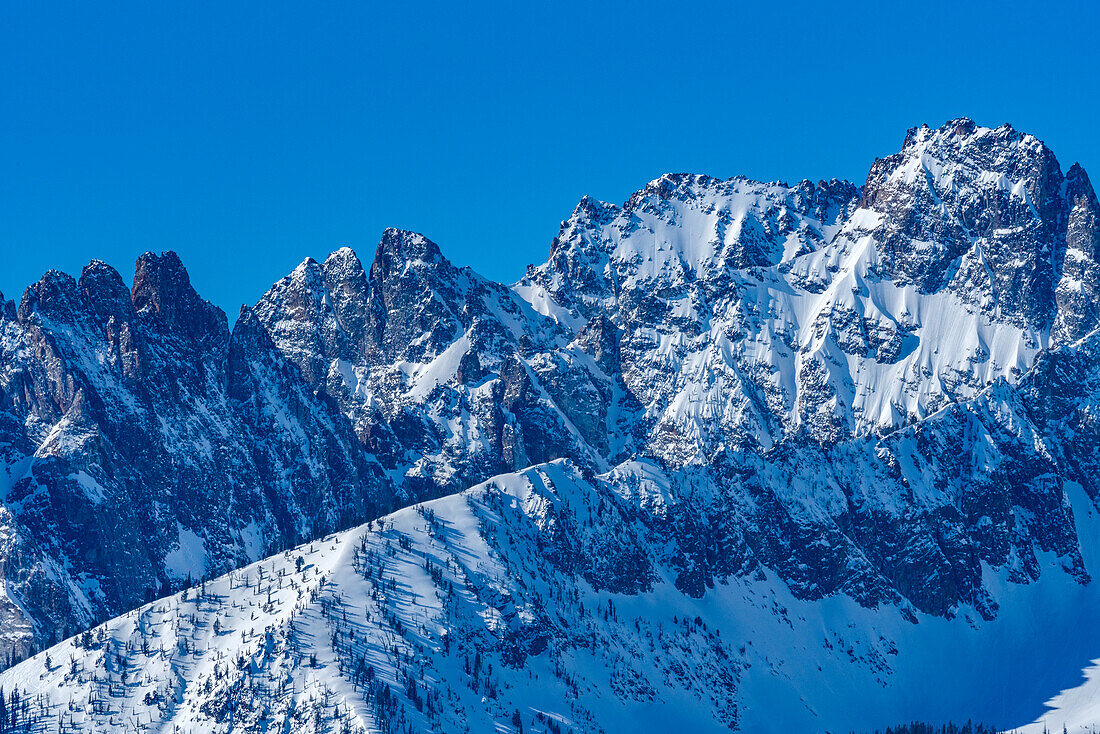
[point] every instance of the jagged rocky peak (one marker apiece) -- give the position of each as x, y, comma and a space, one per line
682, 228
592, 211
401, 248
298, 313
162, 291
345, 277
343, 260
419, 300
143, 446
824, 308
1078, 292
338, 311
248, 333
302, 292
982, 211
105, 292
1078, 185
348, 289
100, 290
55, 296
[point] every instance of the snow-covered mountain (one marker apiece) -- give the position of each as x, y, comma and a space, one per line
145, 446
738, 454
540, 601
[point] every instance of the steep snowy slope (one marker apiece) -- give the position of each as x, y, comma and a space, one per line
1077, 710
537, 601
752, 312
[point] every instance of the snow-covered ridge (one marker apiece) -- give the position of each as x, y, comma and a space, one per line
534, 601
827, 310
875, 405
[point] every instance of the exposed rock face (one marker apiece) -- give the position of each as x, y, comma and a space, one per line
988, 214
437, 368
1077, 312
878, 392
145, 445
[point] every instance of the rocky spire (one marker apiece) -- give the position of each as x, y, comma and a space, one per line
162, 291
56, 296
348, 290
416, 298
105, 293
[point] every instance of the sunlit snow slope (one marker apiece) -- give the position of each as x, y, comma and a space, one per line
538, 593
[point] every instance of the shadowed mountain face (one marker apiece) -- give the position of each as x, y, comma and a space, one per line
885, 394
145, 445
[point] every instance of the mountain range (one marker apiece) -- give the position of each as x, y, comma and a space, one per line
738, 456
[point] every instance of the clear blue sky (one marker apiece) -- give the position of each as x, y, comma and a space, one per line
247, 136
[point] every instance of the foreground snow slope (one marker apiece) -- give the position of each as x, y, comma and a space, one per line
1077, 709
537, 592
